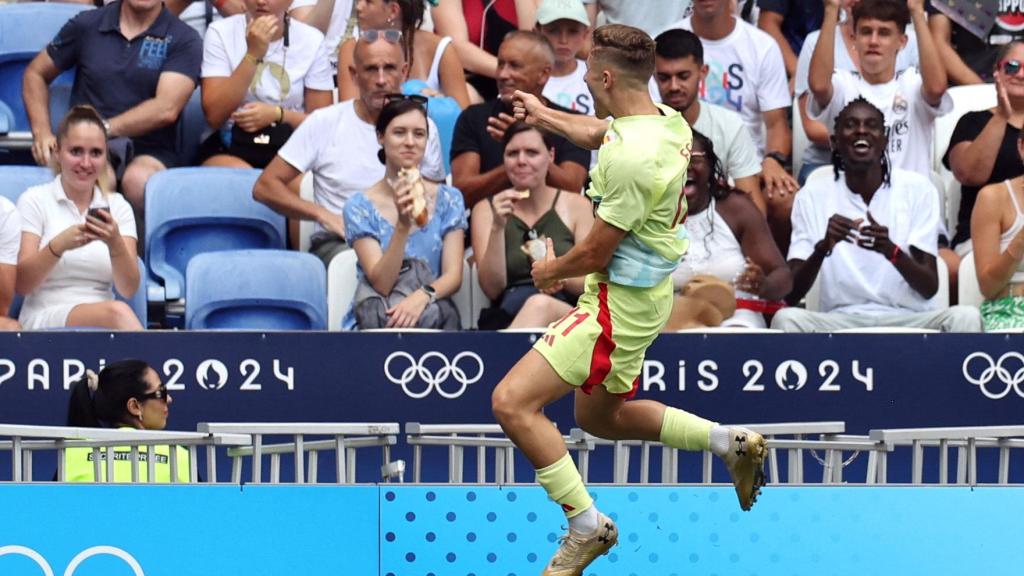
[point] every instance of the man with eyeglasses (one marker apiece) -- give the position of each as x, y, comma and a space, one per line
338, 144
525, 60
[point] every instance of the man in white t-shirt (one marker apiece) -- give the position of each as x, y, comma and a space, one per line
910, 100
338, 144
565, 24
869, 237
678, 70
10, 242
746, 74
817, 153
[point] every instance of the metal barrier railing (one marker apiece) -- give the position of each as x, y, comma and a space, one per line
458, 437
23, 441
965, 439
793, 437
495, 453
346, 439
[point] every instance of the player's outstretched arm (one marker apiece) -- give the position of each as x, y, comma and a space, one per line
584, 131
590, 255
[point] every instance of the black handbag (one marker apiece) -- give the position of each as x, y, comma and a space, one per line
258, 148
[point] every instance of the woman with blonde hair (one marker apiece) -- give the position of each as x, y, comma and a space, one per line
77, 240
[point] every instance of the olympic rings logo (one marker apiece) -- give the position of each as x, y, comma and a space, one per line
434, 369
76, 561
1009, 370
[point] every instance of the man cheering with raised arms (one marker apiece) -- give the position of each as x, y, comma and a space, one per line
597, 350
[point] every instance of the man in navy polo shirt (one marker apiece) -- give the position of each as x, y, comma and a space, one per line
137, 64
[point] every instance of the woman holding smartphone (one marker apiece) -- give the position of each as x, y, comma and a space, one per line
77, 240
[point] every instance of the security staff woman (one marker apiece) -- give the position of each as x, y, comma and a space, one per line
125, 394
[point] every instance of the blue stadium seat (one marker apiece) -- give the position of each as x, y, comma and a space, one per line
256, 290
194, 210
137, 302
25, 29
192, 129
16, 179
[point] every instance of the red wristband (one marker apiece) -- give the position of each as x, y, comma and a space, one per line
895, 253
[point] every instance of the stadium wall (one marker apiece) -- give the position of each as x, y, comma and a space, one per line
477, 531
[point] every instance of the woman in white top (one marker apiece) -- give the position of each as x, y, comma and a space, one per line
77, 240
262, 73
997, 233
426, 53
730, 239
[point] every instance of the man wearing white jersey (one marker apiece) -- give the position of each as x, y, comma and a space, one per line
910, 100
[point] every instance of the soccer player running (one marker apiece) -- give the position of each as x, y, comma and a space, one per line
597, 350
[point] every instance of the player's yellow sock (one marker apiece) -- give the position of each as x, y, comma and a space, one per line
564, 485
685, 431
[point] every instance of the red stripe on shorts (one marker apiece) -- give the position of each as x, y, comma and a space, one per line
601, 360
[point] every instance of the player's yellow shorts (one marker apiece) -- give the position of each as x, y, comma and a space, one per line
603, 340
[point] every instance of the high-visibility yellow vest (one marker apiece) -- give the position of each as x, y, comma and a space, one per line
78, 464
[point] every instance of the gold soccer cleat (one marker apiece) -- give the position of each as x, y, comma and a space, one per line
745, 461
577, 551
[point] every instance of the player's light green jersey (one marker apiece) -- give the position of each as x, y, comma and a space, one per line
638, 183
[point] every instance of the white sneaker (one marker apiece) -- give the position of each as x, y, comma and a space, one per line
577, 551
745, 460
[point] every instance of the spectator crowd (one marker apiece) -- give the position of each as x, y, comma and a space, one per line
399, 113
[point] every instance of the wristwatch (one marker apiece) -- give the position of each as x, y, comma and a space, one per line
431, 291
106, 126
779, 157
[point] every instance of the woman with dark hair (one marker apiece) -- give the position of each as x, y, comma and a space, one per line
514, 228
426, 54
408, 232
126, 394
729, 240
983, 148
77, 240
263, 72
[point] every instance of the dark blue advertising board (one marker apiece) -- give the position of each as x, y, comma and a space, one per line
867, 380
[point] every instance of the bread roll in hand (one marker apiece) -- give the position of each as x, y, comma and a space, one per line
418, 191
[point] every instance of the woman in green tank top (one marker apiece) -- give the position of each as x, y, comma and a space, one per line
510, 229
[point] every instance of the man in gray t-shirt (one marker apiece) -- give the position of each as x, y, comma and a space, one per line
651, 16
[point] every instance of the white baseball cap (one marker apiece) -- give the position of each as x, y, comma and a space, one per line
551, 10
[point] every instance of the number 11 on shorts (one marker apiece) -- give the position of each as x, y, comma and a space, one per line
574, 313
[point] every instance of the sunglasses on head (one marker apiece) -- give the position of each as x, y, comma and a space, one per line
397, 97
160, 393
388, 34
1011, 67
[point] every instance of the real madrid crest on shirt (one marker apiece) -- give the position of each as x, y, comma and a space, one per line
899, 104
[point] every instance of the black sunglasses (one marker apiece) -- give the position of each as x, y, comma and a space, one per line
160, 393
397, 97
388, 34
1011, 67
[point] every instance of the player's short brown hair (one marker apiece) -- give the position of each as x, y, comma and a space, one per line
627, 49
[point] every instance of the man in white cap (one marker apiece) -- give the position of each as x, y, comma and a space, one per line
566, 26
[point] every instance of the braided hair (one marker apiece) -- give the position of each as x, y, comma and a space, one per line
837, 159
718, 184
411, 20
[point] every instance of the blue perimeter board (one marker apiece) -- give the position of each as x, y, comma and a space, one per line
513, 530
